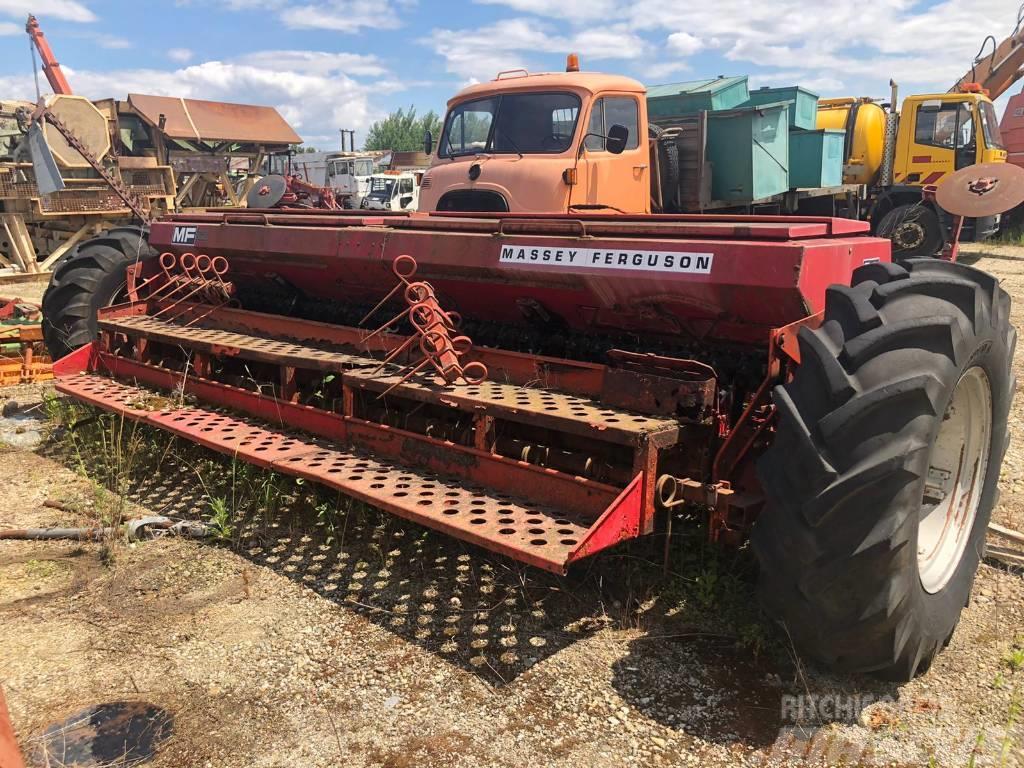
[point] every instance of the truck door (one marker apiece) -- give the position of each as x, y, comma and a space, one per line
615, 182
945, 140
341, 177
404, 195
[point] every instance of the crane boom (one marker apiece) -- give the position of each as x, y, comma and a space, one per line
51, 67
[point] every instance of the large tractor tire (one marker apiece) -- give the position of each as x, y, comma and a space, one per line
915, 231
882, 477
92, 276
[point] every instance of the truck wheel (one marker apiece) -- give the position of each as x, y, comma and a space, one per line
92, 276
882, 476
915, 230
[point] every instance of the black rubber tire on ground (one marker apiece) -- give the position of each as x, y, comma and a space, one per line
844, 479
90, 277
915, 231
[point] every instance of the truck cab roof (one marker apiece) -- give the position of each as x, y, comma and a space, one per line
521, 80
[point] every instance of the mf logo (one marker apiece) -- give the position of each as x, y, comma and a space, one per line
184, 235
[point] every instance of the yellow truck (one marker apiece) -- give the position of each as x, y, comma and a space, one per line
575, 141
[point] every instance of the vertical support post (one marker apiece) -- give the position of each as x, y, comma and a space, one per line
26, 363
483, 428
289, 391
201, 365
646, 461
141, 349
348, 400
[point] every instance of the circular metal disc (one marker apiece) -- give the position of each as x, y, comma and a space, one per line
982, 190
267, 192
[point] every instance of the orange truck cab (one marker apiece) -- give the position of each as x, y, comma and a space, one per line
544, 143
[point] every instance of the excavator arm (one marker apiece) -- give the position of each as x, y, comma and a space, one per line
51, 67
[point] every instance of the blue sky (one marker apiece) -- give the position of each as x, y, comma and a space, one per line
344, 63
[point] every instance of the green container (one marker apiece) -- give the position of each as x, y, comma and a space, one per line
749, 153
816, 158
695, 96
803, 105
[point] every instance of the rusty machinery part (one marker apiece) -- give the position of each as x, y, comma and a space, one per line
882, 476
553, 459
433, 333
982, 190
91, 276
127, 196
290, 191
267, 192
181, 282
22, 354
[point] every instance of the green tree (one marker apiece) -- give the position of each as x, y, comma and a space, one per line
402, 131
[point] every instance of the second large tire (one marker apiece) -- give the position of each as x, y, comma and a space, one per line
92, 276
911, 365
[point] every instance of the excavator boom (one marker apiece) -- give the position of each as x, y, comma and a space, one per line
51, 67
996, 72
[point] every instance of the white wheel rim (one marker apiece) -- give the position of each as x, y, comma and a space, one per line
955, 482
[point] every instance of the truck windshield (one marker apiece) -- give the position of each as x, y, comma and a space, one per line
381, 188
990, 126
512, 123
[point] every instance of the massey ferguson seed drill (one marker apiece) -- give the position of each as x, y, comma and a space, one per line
549, 386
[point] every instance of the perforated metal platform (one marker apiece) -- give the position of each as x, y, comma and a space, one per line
541, 407
540, 535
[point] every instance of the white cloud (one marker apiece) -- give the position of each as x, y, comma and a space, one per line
180, 55
684, 44
836, 44
112, 42
573, 10
334, 15
657, 73
341, 16
67, 10
315, 92
317, 62
831, 46
507, 44
8, 28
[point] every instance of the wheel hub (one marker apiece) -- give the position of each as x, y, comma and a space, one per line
908, 235
956, 478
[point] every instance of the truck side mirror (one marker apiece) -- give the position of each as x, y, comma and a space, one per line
618, 135
428, 143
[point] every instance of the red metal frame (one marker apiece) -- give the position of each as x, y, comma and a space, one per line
767, 271
633, 421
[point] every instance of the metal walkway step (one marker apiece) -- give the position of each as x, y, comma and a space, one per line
539, 535
566, 412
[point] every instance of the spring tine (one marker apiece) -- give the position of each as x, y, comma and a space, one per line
386, 325
206, 314
395, 353
180, 300
406, 377
381, 303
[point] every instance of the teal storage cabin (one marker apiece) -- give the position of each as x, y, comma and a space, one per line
696, 96
803, 105
749, 152
816, 158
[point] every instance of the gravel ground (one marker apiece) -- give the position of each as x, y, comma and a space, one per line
389, 646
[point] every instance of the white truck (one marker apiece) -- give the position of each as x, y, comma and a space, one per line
393, 191
346, 174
